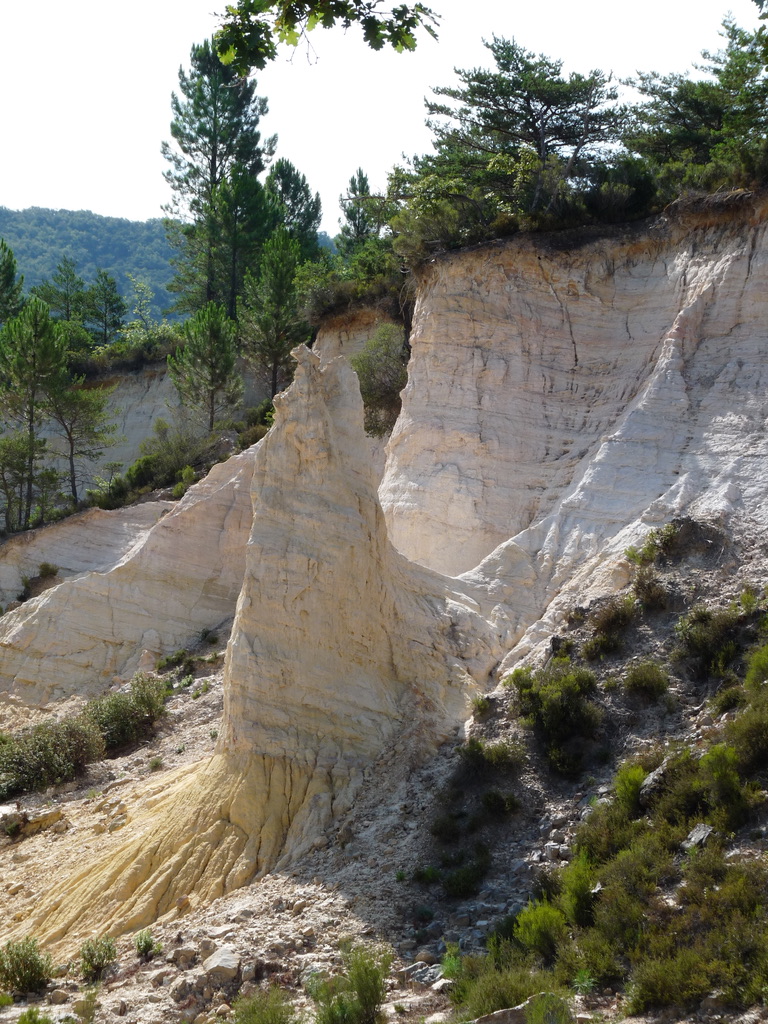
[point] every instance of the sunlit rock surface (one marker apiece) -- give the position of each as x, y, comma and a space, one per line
179, 578
339, 646
582, 381
564, 396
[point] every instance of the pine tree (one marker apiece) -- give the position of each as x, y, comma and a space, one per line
204, 371
33, 354
270, 322
64, 293
360, 222
298, 210
80, 418
11, 285
218, 146
104, 307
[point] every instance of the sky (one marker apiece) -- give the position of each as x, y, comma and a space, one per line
87, 87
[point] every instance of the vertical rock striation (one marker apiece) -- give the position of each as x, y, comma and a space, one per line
339, 648
539, 372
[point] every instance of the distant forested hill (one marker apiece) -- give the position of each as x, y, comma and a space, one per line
39, 238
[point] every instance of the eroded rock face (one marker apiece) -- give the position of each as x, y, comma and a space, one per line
581, 383
178, 578
339, 646
601, 390
88, 541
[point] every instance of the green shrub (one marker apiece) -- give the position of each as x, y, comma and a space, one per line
646, 679
33, 1016
659, 542
540, 928
446, 828
680, 979
465, 881
357, 996
557, 701
270, 1006
23, 968
728, 698
608, 622
5, 1000
627, 785
426, 875
123, 718
186, 479
252, 435
576, 899
506, 755
613, 616
179, 659
548, 1008
481, 705
142, 472
381, 367
583, 983
47, 570
707, 638
145, 945
648, 589
499, 804
757, 669
484, 985
747, 733
95, 957
47, 754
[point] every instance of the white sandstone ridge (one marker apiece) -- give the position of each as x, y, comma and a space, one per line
564, 397
340, 648
561, 400
176, 579
88, 541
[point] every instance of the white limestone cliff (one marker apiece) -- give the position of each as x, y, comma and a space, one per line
562, 398
339, 647
171, 582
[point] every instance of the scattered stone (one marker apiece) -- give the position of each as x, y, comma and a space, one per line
513, 1015
222, 965
183, 955
223, 1010
57, 996
714, 1001
653, 785
179, 989
157, 978
122, 1008
698, 836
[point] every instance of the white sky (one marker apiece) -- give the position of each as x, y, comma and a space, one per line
87, 83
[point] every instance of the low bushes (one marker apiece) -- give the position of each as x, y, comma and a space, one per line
270, 1006
95, 957
357, 996
708, 638
55, 752
608, 623
557, 701
124, 718
23, 968
646, 679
